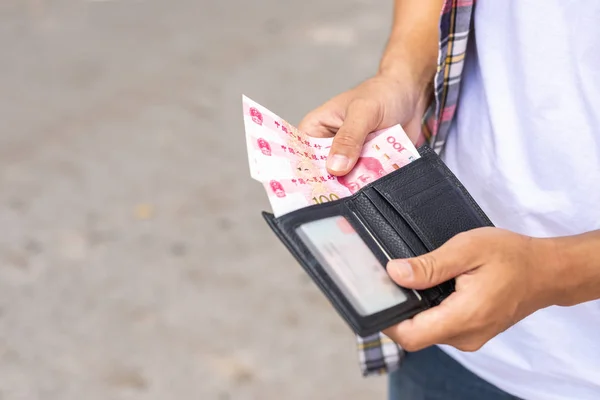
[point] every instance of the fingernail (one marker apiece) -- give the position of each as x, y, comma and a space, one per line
403, 269
338, 162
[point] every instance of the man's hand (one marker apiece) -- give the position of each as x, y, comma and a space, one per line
501, 277
398, 94
377, 103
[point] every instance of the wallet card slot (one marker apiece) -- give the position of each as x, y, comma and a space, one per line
392, 229
427, 195
435, 205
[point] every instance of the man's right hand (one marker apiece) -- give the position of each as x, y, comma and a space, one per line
377, 103
398, 94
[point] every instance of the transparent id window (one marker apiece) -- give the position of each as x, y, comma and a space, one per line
351, 264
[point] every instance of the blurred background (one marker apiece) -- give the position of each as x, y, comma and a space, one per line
134, 263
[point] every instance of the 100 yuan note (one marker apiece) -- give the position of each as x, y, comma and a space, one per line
309, 186
269, 137
291, 165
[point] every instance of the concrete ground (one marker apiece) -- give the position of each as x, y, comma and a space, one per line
134, 263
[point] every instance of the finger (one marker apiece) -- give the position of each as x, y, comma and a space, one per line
362, 117
438, 325
325, 121
457, 256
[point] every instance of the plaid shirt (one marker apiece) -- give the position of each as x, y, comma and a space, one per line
377, 353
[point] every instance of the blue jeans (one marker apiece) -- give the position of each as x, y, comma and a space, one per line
431, 374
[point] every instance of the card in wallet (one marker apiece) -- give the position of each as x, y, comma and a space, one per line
344, 245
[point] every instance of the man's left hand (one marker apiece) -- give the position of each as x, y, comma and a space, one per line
501, 277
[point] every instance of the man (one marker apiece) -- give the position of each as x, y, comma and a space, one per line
514, 87
365, 171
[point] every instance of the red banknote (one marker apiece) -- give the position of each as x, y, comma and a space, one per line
291, 165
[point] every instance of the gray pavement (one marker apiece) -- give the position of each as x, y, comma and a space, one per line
134, 263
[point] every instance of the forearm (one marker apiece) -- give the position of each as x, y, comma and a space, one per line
412, 49
577, 268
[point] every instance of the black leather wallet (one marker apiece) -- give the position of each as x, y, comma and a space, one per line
344, 245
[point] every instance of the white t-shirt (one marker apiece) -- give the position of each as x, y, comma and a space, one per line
526, 144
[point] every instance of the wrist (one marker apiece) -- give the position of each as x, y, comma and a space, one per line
548, 272
412, 69
421, 84
574, 268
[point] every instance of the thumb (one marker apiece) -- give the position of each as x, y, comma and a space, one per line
455, 257
362, 117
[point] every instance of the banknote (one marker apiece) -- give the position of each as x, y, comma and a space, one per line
286, 195
292, 165
267, 135
293, 183
270, 137
259, 120
270, 159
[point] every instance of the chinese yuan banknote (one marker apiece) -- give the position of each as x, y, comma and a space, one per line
291, 165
